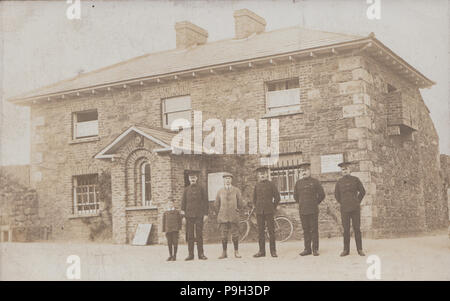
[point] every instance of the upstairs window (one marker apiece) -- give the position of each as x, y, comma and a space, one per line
85, 192
283, 96
176, 108
85, 124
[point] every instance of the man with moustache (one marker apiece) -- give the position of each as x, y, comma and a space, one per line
194, 206
308, 193
349, 192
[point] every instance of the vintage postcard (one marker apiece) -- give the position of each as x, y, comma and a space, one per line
224, 141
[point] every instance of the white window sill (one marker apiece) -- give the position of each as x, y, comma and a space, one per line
74, 216
287, 202
134, 208
277, 114
83, 140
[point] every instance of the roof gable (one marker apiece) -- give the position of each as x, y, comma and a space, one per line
159, 137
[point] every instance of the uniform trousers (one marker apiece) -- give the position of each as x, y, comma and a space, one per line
310, 225
355, 217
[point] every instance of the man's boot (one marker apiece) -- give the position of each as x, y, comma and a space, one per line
345, 253
315, 252
224, 249
361, 253
305, 252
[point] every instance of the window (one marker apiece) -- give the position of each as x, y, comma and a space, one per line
283, 96
285, 178
85, 190
146, 188
176, 108
85, 124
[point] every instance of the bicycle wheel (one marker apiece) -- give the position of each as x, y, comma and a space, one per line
283, 228
244, 229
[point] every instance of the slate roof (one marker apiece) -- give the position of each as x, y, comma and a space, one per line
161, 137
214, 53
211, 54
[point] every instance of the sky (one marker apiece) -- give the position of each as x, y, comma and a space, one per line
41, 46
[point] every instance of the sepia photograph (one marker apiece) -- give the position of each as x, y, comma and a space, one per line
224, 141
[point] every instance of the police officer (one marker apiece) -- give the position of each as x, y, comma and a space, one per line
194, 206
228, 202
265, 199
349, 192
308, 192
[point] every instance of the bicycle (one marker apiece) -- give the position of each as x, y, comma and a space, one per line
283, 226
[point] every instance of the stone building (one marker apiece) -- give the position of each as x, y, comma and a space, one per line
336, 96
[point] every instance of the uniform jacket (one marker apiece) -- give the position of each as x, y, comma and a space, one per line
265, 197
227, 203
195, 201
171, 221
308, 192
349, 192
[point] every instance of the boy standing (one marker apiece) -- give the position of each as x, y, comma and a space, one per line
171, 226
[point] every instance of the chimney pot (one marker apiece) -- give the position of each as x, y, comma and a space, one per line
189, 34
247, 23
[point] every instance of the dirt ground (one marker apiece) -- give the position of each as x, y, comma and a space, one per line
414, 258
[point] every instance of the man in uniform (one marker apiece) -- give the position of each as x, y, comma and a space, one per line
228, 202
308, 192
194, 206
349, 192
265, 200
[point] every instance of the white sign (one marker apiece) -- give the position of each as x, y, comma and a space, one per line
142, 234
215, 182
329, 163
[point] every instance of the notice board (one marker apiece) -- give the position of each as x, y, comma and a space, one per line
142, 235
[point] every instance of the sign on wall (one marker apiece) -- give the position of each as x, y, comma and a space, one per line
329, 163
215, 182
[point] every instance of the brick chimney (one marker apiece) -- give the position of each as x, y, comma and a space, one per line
189, 34
247, 22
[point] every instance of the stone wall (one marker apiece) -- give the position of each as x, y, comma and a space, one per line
19, 220
404, 159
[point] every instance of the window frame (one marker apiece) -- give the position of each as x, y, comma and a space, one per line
282, 109
96, 201
143, 184
165, 114
75, 123
289, 198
